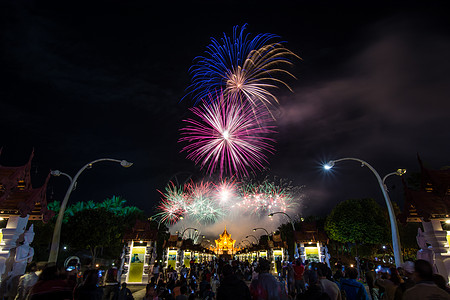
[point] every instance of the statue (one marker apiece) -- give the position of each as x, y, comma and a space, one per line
327, 257
24, 253
425, 252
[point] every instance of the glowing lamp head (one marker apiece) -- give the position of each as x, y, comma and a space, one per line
447, 221
329, 165
126, 164
270, 215
401, 172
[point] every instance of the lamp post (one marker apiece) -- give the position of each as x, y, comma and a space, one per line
280, 212
293, 229
73, 182
257, 241
250, 244
394, 229
254, 229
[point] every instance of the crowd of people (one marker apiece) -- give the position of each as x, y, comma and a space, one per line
48, 282
237, 280
222, 280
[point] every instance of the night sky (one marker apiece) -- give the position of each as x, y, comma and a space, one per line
82, 80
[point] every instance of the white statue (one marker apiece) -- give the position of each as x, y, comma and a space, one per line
327, 257
24, 253
424, 253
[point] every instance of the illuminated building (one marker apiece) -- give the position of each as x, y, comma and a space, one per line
429, 204
311, 243
19, 202
140, 253
225, 244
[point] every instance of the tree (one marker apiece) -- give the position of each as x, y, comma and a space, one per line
95, 230
287, 234
115, 204
359, 221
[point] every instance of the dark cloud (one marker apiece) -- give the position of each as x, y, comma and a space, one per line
388, 102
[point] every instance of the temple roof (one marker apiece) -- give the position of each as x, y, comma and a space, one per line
141, 232
225, 236
432, 201
310, 233
18, 197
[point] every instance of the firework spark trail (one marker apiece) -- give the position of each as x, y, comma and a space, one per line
208, 203
173, 205
243, 67
229, 136
202, 205
267, 197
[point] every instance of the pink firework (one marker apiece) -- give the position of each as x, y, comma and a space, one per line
229, 136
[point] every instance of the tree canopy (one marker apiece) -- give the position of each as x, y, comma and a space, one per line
89, 225
115, 204
95, 229
358, 221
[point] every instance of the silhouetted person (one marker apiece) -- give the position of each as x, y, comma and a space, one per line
266, 287
231, 287
425, 288
125, 293
407, 279
314, 291
50, 287
88, 289
299, 269
353, 289
370, 278
111, 288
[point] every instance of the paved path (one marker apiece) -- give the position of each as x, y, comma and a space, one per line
139, 295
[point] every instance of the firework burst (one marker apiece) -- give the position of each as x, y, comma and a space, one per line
267, 197
203, 207
229, 136
207, 202
242, 67
173, 205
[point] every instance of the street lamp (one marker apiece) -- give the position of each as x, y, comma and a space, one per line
280, 212
249, 243
268, 236
257, 241
73, 182
394, 229
254, 229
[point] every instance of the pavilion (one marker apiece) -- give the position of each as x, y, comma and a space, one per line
429, 204
19, 202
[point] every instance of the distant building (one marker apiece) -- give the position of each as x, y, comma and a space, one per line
430, 205
225, 244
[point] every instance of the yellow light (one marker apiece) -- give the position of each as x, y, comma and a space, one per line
401, 172
447, 221
351, 266
97, 265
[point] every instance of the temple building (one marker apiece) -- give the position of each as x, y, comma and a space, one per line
19, 202
139, 253
311, 243
225, 244
429, 204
